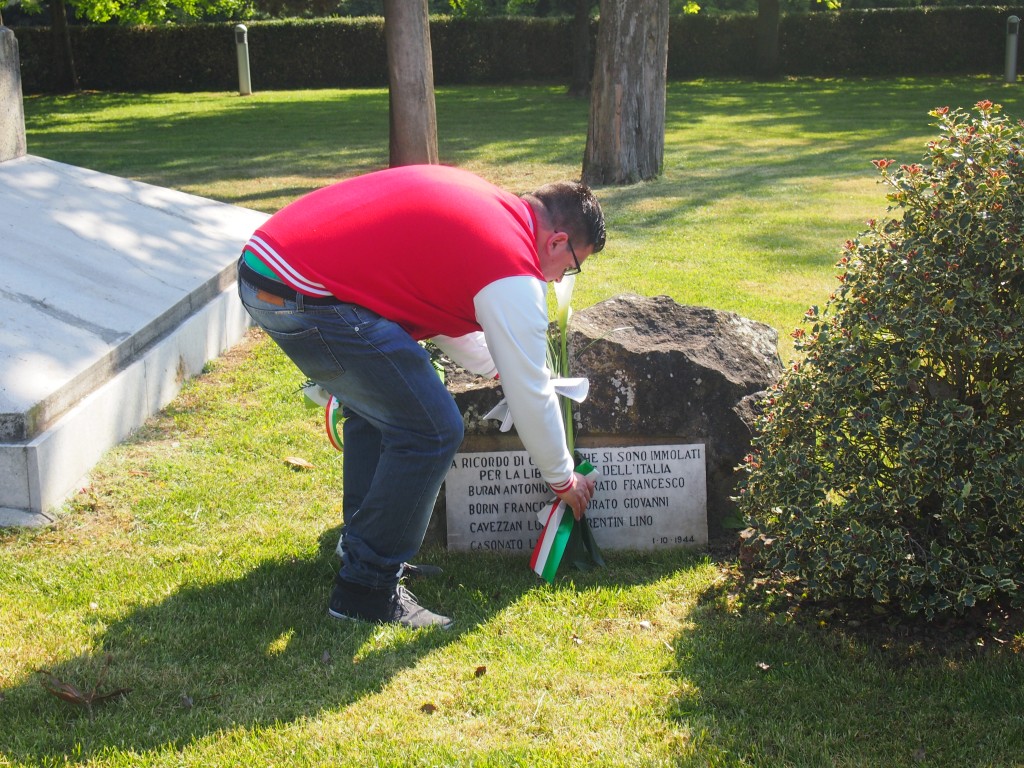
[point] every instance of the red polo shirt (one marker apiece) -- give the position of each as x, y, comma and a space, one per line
414, 244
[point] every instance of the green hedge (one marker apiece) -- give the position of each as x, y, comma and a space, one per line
711, 46
202, 57
919, 41
325, 53
500, 50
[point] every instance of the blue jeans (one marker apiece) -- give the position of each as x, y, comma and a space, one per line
402, 428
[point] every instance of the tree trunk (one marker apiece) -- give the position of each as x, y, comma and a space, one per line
66, 77
582, 65
413, 116
626, 136
767, 39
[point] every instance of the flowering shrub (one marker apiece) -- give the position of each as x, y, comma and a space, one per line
889, 462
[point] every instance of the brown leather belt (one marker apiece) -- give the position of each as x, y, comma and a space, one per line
279, 290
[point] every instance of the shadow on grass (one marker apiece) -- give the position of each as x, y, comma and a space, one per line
243, 653
761, 692
259, 651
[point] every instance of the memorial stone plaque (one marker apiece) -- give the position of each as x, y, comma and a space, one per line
647, 497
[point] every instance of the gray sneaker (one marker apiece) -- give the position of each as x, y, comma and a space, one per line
382, 606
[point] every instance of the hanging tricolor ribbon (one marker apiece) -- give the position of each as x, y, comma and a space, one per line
333, 421
315, 396
547, 554
559, 525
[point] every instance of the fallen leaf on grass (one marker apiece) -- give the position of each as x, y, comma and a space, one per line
428, 709
326, 659
72, 694
577, 640
480, 671
645, 624
296, 462
763, 666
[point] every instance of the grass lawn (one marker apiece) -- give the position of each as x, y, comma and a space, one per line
194, 569
762, 183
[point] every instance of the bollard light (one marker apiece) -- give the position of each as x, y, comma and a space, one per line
242, 49
1012, 28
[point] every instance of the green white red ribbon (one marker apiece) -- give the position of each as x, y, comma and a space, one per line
315, 396
560, 531
547, 554
333, 419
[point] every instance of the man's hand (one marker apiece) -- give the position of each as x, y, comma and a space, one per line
579, 495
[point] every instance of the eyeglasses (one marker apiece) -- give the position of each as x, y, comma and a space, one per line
572, 270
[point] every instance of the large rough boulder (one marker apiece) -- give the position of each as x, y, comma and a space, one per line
662, 370
659, 372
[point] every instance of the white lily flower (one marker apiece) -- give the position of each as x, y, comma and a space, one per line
563, 295
559, 347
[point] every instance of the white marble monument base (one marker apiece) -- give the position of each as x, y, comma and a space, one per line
112, 294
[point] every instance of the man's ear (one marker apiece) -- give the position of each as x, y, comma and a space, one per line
557, 238
549, 242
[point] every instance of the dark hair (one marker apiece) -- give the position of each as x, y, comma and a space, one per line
574, 209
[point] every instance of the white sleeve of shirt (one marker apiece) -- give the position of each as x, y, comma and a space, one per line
513, 313
470, 352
